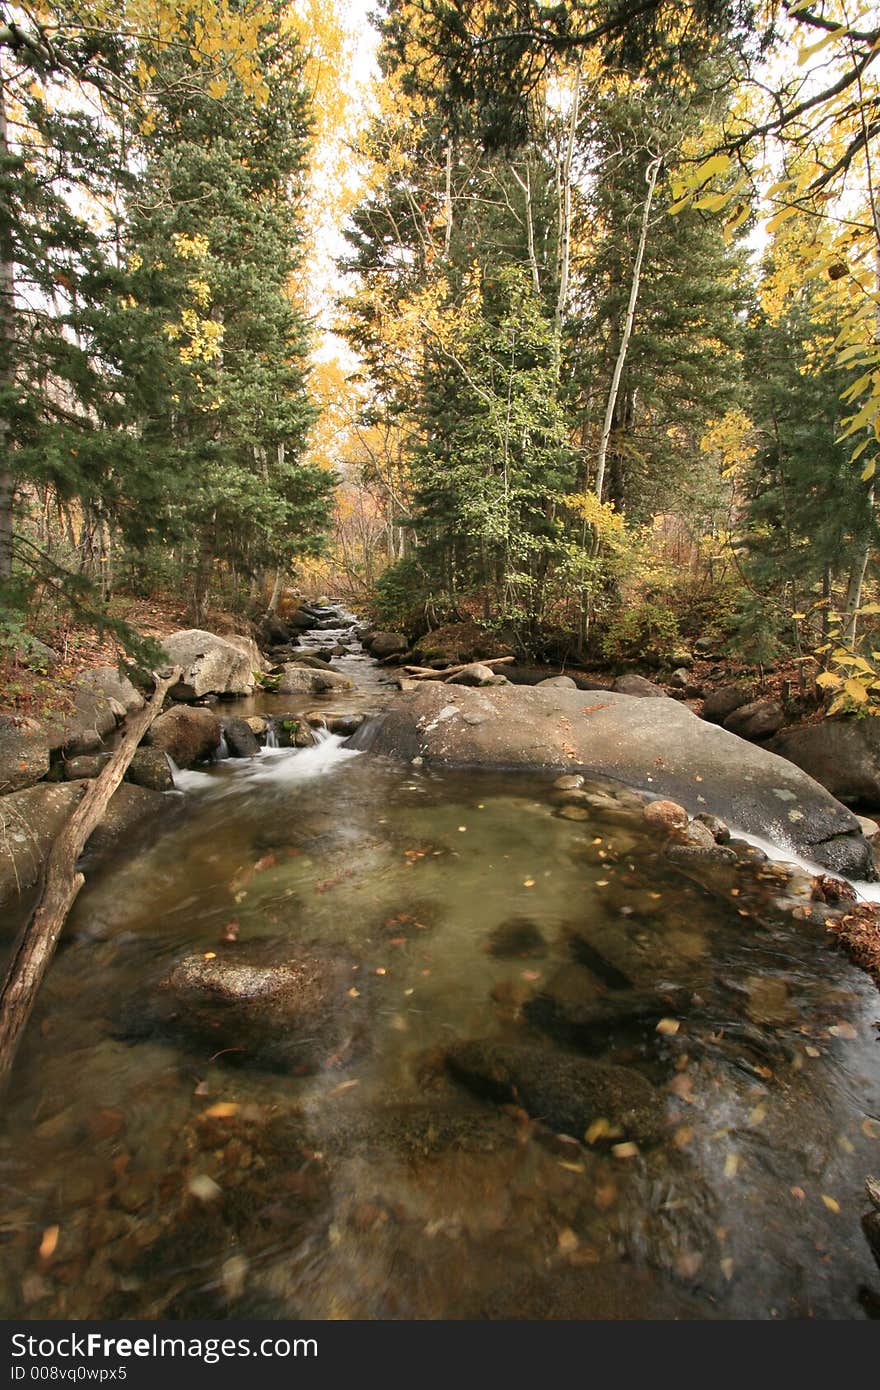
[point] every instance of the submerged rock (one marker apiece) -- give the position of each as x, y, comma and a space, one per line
263, 1004
655, 745
517, 937
566, 1093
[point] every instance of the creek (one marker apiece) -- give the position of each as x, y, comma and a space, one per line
146, 1177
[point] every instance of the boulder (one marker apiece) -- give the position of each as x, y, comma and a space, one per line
306, 680
249, 648
757, 719
241, 740
668, 815
564, 1092
265, 1005
101, 699
24, 754
83, 767
210, 665
188, 735
637, 685
843, 753
382, 644
150, 768
565, 681
654, 745
681, 679
31, 819
719, 703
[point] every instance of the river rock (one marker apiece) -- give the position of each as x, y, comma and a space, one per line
720, 831
654, 745
150, 768
101, 700
24, 753
564, 1092
210, 665
842, 752
682, 680
84, 767
241, 740
668, 815
569, 782
344, 724
720, 703
632, 684
758, 719
382, 644
31, 819
188, 735
565, 681
517, 937
306, 680
266, 1003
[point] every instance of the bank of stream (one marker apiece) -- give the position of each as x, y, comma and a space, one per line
147, 1175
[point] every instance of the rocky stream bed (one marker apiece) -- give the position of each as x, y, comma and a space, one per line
350, 1033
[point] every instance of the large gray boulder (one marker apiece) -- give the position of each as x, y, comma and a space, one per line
101, 700
187, 735
31, 819
843, 753
307, 680
382, 644
655, 745
210, 665
631, 684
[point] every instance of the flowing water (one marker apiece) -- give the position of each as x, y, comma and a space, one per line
144, 1175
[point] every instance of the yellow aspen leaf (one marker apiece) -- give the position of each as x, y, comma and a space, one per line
222, 1110
49, 1242
831, 1204
856, 690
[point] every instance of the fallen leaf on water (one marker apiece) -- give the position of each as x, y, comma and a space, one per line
731, 1165
682, 1136
380, 970
812, 1051
267, 862
567, 1242
627, 1150
668, 1027
844, 1144
531, 974
689, 1263
342, 1087
596, 1130
222, 1110
831, 1203
799, 1193
601, 883
528, 883
843, 1030
210, 955
727, 1268
758, 1115
49, 1242
571, 1167
871, 1128
204, 1188
605, 1196
354, 993
202, 1089
462, 827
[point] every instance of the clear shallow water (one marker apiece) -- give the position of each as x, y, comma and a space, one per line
378, 1188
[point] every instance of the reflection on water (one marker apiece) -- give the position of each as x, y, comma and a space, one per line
161, 1179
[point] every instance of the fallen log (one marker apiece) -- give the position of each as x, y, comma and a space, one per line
430, 673
61, 883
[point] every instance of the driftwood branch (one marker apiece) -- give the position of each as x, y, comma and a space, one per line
62, 881
428, 673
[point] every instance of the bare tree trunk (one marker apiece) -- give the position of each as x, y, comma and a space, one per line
651, 176
564, 255
7, 333
277, 590
447, 235
857, 572
62, 881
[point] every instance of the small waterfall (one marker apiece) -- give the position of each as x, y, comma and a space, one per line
271, 737
222, 750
